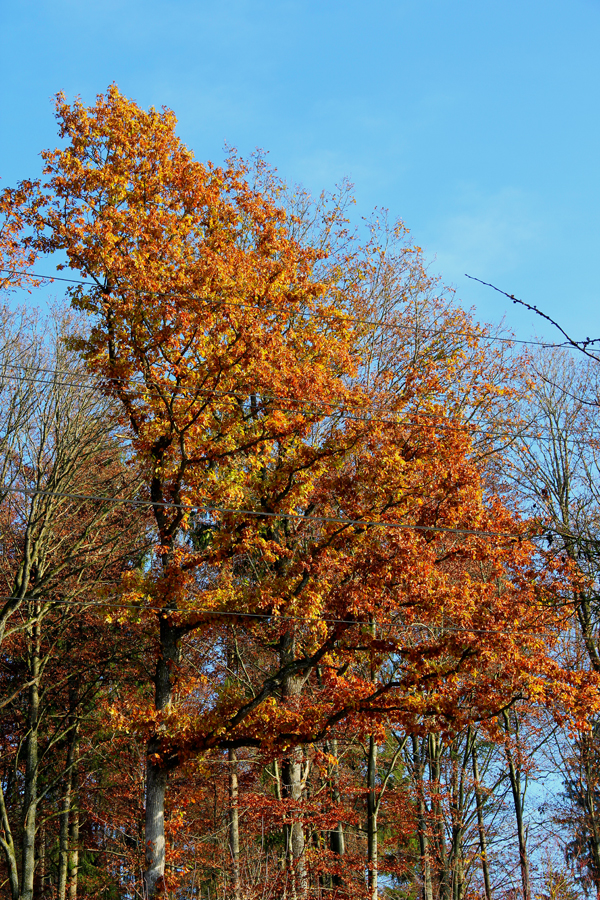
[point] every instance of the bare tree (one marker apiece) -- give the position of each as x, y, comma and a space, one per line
61, 554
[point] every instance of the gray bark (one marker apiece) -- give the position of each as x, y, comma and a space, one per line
514, 771
293, 784
40, 872
295, 840
63, 840
234, 826
481, 828
435, 752
457, 811
418, 762
156, 787
64, 850
73, 866
372, 809
156, 770
31, 768
8, 847
337, 842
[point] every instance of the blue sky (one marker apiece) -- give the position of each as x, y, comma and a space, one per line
476, 122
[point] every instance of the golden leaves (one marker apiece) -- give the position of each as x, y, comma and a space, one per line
275, 387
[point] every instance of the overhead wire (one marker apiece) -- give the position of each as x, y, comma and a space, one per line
479, 336
275, 617
465, 426
336, 410
191, 508
315, 313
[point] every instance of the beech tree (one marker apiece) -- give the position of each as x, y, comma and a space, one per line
236, 320
303, 412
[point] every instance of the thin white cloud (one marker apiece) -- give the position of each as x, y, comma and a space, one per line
487, 234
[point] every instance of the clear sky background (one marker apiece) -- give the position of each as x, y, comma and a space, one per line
476, 122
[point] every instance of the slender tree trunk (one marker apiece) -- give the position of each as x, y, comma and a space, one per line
419, 776
457, 810
63, 842
73, 855
277, 776
292, 783
234, 832
584, 613
295, 841
234, 819
514, 772
278, 796
372, 860
435, 753
337, 843
588, 797
156, 770
74, 846
8, 847
40, 870
481, 828
31, 766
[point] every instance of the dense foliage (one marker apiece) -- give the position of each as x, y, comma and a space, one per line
298, 564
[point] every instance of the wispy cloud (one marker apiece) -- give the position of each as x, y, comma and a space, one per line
487, 235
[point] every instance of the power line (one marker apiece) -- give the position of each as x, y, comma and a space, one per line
365, 523
465, 426
414, 626
350, 319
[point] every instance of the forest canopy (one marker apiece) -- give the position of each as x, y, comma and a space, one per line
299, 559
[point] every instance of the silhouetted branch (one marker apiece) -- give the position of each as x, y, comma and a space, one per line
582, 346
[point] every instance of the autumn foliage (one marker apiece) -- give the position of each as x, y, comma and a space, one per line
325, 580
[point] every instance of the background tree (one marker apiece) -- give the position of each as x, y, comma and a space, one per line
59, 557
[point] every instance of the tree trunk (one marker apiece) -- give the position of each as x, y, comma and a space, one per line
7, 844
40, 870
337, 843
156, 787
588, 798
481, 828
31, 766
514, 772
234, 819
292, 782
372, 820
457, 811
74, 844
435, 753
584, 614
63, 840
277, 777
419, 776
234, 832
295, 841
156, 769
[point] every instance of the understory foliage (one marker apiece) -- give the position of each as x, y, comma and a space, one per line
282, 618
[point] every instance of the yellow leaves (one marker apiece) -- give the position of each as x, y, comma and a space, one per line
272, 391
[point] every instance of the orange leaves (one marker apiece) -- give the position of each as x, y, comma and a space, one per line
278, 380
16, 254
205, 303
